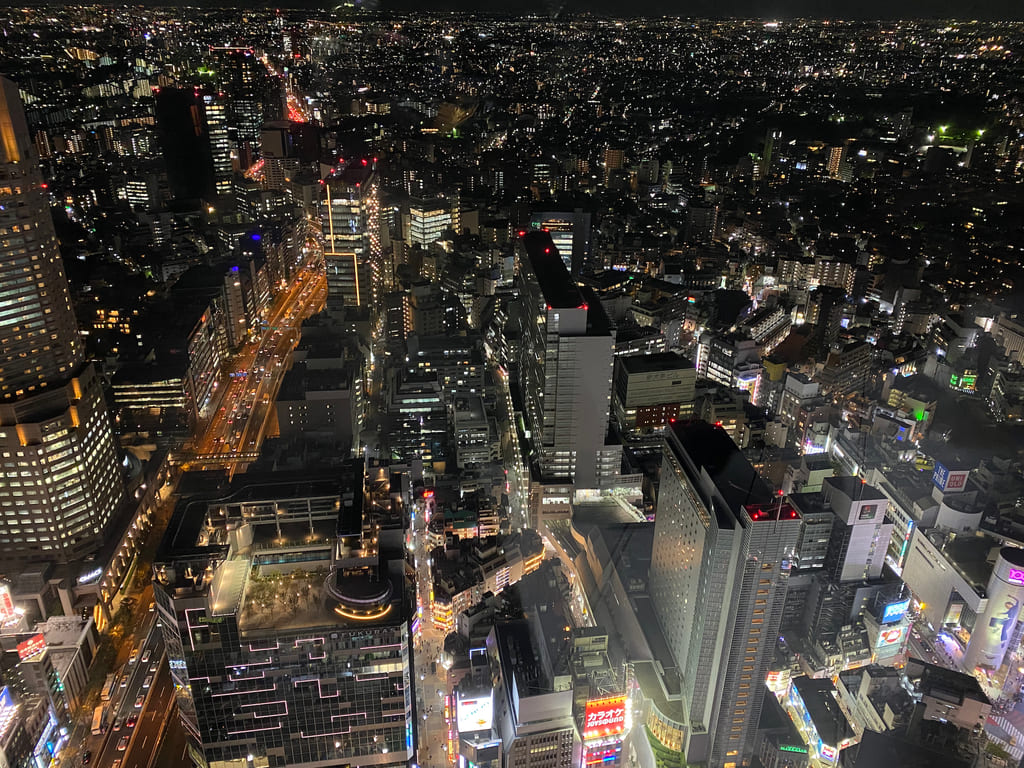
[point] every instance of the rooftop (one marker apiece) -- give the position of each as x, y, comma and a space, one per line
560, 292
854, 488
715, 456
820, 702
661, 361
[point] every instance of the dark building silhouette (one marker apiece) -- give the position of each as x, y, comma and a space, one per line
185, 140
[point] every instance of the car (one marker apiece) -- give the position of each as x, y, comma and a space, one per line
116, 763
124, 681
145, 657
132, 720
118, 723
87, 757
147, 682
140, 700
134, 656
152, 606
153, 667
122, 745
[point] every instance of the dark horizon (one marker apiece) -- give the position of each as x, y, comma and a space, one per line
1008, 11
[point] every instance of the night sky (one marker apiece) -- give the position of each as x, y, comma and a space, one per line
859, 9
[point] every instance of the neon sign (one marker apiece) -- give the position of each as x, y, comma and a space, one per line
31, 647
90, 576
6, 603
896, 611
474, 714
890, 636
8, 711
604, 717
1016, 576
789, 748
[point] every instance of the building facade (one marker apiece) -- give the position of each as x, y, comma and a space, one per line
286, 630
723, 549
60, 479
565, 366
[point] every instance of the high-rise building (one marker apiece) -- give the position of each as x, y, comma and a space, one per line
428, 221
723, 549
255, 95
60, 481
614, 159
185, 141
39, 343
731, 360
565, 366
350, 219
652, 390
299, 658
215, 109
570, 232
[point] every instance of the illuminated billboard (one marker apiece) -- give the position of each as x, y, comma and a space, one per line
890, 637
8, 711
949, 479
6, 603
895, 611
995, 626
29, 648
604, 717
474, 714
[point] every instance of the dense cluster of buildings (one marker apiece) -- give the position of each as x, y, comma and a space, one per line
538, 394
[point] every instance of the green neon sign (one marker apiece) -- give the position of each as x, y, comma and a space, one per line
788, 748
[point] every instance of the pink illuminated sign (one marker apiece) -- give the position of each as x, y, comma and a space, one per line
1016, 576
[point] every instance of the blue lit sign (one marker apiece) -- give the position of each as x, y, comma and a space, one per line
256, 236
940, 476
895, 611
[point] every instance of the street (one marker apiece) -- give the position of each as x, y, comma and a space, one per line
518, 479
238, 426
431, 676
153, 702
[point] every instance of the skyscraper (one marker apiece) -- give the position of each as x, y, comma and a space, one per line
350, 218
185, 140
570, 232
39, 342
565, 366
723, 547
60, 482
215, 109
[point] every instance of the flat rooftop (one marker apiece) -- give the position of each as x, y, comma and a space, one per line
560, 292
855, 489
661, 361
820, 703
711, 451
931, 679
654, 687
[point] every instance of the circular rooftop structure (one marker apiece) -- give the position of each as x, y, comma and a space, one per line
360, 597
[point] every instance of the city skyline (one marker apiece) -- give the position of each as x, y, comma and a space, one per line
510, 390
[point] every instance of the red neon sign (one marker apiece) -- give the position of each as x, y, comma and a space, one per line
604, 717
32, 646
6, 603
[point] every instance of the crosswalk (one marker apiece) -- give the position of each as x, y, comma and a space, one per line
1009, 735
